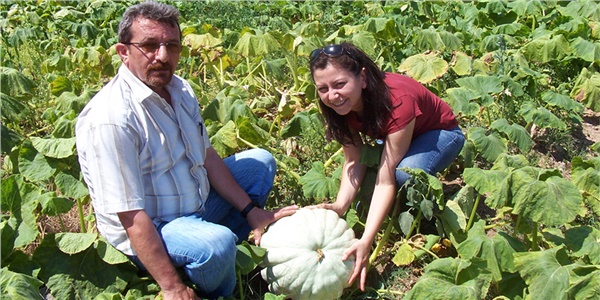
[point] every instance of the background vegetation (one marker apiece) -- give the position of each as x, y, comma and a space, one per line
515, 215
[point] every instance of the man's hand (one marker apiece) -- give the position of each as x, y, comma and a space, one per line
259, 219
184, 293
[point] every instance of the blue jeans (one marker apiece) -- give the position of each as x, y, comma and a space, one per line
204, 243
432, 152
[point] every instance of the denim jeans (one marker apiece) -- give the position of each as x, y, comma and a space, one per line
204, 243
432, 152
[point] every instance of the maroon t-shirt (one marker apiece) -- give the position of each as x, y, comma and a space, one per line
411, 100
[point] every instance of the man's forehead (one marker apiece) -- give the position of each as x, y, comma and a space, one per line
148, 27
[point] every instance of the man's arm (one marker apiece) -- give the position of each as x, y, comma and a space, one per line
223, 182
149, 248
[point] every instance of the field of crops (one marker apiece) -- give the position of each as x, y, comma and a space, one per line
516, 216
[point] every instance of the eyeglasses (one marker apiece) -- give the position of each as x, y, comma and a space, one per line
148, 48
331, 51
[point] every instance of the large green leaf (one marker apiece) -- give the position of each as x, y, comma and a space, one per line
56, 148
482, 85
452, 278
54, 206
547, 48
248, 257
18, 286
82, 275
490, 146
14, 83
424, 68
315, 184
224, 141
250, 44
497, 250
584, 241
544, 196
586, 50
11, 108
587, 89
21, 200
563, 102
70, 186
484, 181
9, 138
587, 287
541, 116
73, 243
34, 165
249, 131
545, 272
516, 134
585, 174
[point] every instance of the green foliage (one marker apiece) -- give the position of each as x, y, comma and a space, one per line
518, 75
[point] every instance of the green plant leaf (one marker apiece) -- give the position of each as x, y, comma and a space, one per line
316, 184
586, 50
585, 174
587, 287
77, 276
405, 220
496, 250
545, 272
490, 146
70, 186
248, 257
547, 48
54, 206
404, 255
108, 253
544, 197
453, 217
224, 141
516, 134
18, 286
461, 63
584, 241
34, 165
72, 243
424, 68
56, 148
14, 83
587, 89
452, 278
485, 182
541, 116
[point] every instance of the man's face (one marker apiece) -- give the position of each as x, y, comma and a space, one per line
154, 67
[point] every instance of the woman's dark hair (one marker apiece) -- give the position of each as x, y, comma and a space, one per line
155, 11
377, 105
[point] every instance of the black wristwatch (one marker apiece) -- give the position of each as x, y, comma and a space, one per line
248, 208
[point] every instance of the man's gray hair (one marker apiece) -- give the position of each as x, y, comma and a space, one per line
151, 10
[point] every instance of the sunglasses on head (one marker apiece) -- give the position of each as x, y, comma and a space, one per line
331, 51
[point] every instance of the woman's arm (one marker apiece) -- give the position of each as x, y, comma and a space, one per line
396, 146
353, 173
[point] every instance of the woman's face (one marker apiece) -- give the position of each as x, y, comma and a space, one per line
340, 89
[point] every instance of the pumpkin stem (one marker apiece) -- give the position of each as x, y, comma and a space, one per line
320, 254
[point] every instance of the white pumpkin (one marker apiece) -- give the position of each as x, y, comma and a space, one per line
304, 255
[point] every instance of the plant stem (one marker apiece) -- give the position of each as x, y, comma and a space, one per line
426, 250
386, 234
330, 160
473, 211
239, 280
534, 245
414, 224
82, 226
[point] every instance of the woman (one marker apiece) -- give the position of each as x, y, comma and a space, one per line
417, 128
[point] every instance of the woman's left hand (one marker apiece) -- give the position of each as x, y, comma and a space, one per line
360, 250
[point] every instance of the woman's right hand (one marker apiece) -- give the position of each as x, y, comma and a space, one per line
338, 208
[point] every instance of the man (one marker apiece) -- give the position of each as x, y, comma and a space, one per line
161, 193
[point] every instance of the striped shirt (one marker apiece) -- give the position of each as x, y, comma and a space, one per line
138, 152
